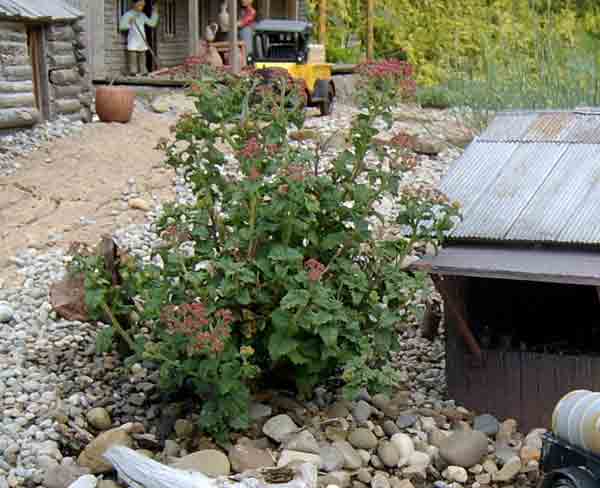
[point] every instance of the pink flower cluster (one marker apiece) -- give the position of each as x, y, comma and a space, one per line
190, 319
401, 71
315, 269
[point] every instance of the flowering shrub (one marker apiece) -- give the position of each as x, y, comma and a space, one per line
276, 270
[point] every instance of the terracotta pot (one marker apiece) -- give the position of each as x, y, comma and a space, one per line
114, 103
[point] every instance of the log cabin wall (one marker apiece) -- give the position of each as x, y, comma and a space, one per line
43, 73
69, 79
17, 96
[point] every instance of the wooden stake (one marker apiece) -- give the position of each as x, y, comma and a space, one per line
370, 29
323, 22
194, 24
234, 50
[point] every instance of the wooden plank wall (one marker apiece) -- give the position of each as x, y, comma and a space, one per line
173, 51
521, 385
115, 60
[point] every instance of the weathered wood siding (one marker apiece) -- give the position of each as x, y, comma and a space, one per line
173, 51
115, 42
17, 97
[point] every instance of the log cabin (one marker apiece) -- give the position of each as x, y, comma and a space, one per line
43, 69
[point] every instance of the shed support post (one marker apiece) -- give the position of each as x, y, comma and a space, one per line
194, 27
234, 51
462, 326
370, 29
323, 22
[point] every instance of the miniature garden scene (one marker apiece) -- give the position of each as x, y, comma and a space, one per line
299, 244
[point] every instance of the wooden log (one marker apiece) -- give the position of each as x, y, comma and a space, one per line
18, 73
66, 91
60, 47
370, 29
17, 100
60, 33
16, 86
62, 61
21, 117
13, 48
323, 22
137, 470
64, 76
194, 27
67, 105
12, 32
235, 61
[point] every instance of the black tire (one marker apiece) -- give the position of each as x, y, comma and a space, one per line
563, 482
326, 105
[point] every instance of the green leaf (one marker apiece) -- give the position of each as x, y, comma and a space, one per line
281, 344
104, 340
329, 335
295, 299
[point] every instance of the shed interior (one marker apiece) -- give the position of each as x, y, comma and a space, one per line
548, 318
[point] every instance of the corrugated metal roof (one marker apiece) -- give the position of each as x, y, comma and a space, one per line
540, 186
38, 9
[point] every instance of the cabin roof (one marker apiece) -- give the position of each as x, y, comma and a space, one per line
530, 177
38, 10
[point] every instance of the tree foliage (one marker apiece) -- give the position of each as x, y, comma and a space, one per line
441, 36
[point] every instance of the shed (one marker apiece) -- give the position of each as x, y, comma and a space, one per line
182, 23
43, 71
520, 273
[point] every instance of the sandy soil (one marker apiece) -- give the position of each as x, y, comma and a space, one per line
72, 189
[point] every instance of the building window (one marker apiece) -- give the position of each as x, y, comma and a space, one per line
122, 9
169, 18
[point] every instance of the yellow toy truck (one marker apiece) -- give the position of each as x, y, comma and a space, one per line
285, 44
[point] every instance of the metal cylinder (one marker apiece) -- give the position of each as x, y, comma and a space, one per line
576, 419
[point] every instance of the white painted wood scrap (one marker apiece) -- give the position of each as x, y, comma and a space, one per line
139, 471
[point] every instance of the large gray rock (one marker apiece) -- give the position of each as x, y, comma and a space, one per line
464, 448
86, 481
303, 441
244, 457
361, 411
288, 457
362, 439
209, 462
331, 459
63, 475
486, 423
279, 428
352, 459
99, 418
6, 313
388, 454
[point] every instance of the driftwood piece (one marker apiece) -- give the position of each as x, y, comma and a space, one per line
67, 296
139, 471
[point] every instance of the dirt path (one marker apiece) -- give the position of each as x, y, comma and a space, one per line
73, 189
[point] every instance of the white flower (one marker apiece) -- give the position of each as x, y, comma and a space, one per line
305, 242
349, 204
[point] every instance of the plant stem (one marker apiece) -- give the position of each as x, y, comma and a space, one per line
115, 323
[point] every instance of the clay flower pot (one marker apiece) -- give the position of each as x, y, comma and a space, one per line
114, 103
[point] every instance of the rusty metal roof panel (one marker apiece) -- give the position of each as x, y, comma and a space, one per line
480, 161
503, 195
508, 127
38, 10
564, 207
550, 127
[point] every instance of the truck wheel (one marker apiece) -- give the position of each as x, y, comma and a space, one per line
327, 104
563, 483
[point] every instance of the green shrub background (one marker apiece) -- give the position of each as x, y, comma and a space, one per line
449, 39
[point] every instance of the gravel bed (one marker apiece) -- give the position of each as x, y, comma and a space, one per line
50, 375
